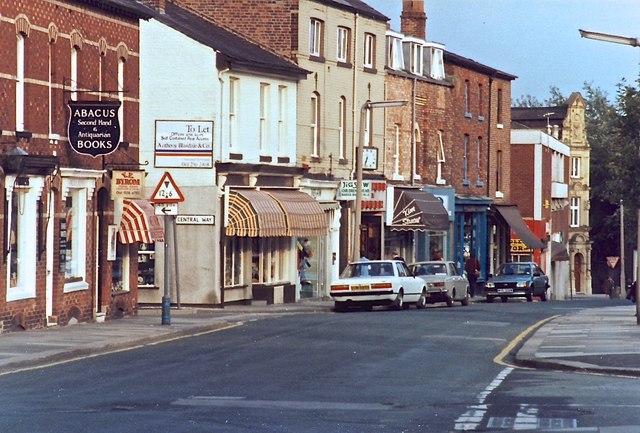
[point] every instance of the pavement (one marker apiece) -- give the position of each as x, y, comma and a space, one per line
599, 340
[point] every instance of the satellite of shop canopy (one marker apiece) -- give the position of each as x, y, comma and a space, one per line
538, 41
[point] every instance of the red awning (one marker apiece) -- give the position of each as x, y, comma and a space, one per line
139, 223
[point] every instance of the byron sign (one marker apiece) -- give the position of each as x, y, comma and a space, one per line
94, 127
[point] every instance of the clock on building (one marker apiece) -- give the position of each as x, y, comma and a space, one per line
370, 158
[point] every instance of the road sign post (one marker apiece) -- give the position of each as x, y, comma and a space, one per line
166, 197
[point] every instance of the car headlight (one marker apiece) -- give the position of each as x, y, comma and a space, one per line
490, 285
522, 284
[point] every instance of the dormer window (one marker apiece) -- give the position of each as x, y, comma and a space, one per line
413, 49
434, 60
395, 59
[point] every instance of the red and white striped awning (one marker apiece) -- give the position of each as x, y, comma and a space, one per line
139, 223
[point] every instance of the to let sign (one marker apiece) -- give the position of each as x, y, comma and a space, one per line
94, 128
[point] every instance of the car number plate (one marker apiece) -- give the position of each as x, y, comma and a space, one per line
505, 290
361, 287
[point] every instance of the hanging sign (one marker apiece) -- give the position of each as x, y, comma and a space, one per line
94, 127
127, 183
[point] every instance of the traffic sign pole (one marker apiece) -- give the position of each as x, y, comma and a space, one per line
166, 299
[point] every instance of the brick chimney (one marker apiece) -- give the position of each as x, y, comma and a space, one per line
158, 5
413, 20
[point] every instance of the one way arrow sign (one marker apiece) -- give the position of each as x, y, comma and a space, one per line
167, 191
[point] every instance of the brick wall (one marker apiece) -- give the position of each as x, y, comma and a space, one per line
48, 57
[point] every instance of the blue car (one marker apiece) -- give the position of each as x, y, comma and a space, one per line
517, 279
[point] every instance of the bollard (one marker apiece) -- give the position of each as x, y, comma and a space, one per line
166, 310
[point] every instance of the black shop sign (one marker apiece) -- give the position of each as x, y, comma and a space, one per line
94, 128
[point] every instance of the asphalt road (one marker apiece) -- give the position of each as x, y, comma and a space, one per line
432, 370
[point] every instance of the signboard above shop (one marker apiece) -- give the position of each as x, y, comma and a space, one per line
347, 190
127, 183
94, 128
184, 144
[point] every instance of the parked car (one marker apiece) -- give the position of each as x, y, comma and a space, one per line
524, 279
367, 283
444, 281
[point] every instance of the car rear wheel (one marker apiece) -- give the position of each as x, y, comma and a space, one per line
422, 300
398, 304
529, 296
543, 296
450, 301
341, 307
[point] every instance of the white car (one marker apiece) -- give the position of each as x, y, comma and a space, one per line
444, 282
367, 283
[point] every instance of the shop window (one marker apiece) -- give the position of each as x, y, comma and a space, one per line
267, 260
120, 269
233, 262
146, 265
75, 235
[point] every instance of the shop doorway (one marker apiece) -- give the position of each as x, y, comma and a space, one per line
371, 237
577, 272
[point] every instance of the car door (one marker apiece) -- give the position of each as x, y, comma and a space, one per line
539, 279
412, 285
458, 280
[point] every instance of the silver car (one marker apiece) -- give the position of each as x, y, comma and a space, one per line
444, 282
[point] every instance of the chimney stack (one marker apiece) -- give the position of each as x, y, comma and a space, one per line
413, 20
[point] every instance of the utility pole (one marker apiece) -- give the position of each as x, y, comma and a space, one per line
623, 280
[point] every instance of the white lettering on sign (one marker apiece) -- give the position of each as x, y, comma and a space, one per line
196, 220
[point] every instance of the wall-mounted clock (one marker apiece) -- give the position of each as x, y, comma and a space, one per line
370, 158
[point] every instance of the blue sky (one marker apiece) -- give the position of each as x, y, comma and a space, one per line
536, 40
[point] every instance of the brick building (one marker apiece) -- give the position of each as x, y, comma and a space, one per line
62, 261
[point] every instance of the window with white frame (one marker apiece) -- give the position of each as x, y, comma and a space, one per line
315, 37
314, 125
416, 59
234, 248
268, 259
395, 58
264, 116
396, 150
575, 167
368, 136
282, 118
74, 73
434, 61
342, 126
575, 212
342, 46
369, 50
465, 161
233, 115
557, 169
441, 159
22, 205
20, 76
121, 62
76, 238
120, 268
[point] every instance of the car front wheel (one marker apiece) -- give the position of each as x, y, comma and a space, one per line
422, 300
489, 299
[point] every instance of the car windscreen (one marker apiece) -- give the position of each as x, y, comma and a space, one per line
357, 270
429, 269
513, 269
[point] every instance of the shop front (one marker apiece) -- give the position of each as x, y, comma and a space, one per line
263, 230
471, 232
417, 223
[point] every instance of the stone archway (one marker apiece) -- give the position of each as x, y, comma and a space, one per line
578, 261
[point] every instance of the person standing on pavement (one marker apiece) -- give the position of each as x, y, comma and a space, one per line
472, 268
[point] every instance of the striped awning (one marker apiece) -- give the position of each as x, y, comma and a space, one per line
139, 223
273, 212
305, 216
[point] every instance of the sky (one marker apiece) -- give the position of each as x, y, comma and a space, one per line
536, 40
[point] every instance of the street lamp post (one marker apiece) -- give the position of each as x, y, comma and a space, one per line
634, 42
355, 252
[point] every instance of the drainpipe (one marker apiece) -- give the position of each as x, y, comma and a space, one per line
489, 140
413, 131
354, 95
